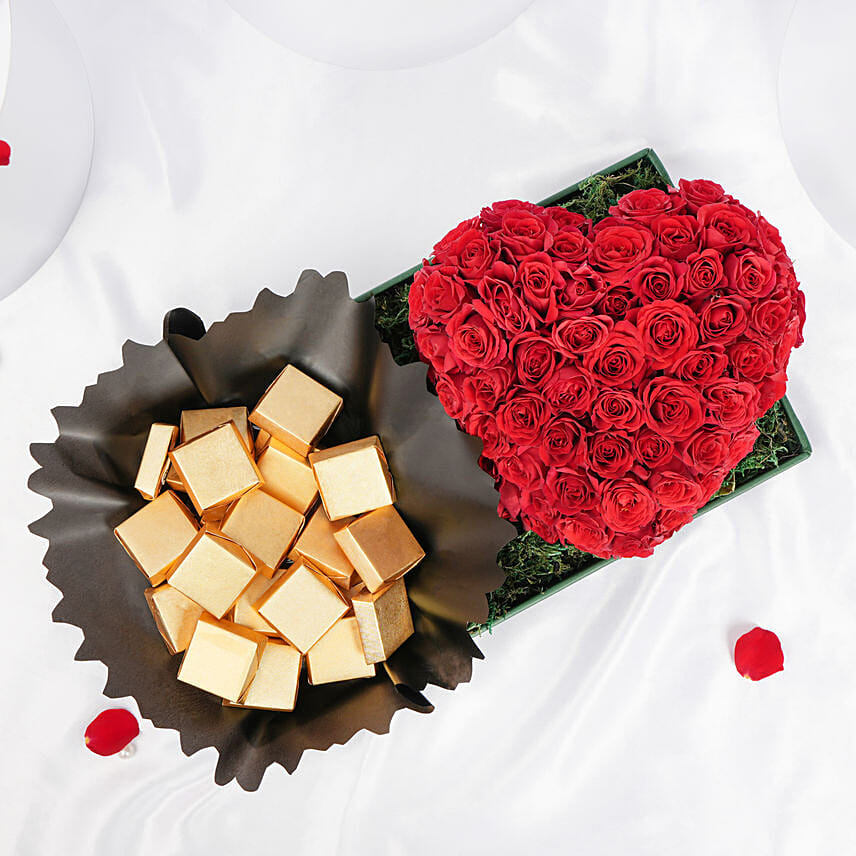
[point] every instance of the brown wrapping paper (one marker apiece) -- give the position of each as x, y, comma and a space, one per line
89, 472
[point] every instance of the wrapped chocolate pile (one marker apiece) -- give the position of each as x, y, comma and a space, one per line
295, 554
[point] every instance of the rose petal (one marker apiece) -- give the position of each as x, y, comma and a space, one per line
5, 153
758, 654
111, 731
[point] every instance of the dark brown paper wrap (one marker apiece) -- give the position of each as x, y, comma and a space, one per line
89, 471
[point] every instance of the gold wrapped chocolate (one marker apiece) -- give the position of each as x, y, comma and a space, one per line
296, 409
156, 535
245, 613
222, 658
384, 620
288, 476
302, 605
318, 548
173, 480
380, 546
338, 655
263, 525
154, 463
195, 423
216, 468
213, 571
353, 478
175, 615
262, 440
274, 686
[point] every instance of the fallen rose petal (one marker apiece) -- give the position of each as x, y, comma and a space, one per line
5, 153
111, 731
758, 654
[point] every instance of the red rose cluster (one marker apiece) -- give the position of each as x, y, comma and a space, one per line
613, 370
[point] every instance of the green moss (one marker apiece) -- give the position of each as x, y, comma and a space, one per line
594, 196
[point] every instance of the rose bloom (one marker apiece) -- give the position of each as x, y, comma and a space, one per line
524, 468
578, 292
610, 454
448, 389
539, 277
471, 253
750, 274
726, 225
617, 248
701, 365
770, 390
439, 290
571, 246
669, 520
522, 232
700, 192
645, 205
491, 218
534, 357
511, 500
652, 449
616, 301
668, 330
723, 319
657, 278
620, 360
523, 416
433, 347
673, 489
578, 336
770, 317
626, 505
704, 273
616, 409
474, 338
740, 446
486, 388
677, 236
570, 490
562, 442
443, 249
708, 449
570, 390
484, 426
503, 299
751, 359
732, 404
586, 532
672, 407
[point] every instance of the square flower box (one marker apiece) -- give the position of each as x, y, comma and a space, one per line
535, 570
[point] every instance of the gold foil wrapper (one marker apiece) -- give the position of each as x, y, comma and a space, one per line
156, 535
384, 620
353, 478
288, 476
213, 571
173, 480
296, 409
263, 525
380, 546
195, 423
216, 468
222, 658
275, 684
155, 460
245, 613
318, 547
175, 615
338, 655
302, 605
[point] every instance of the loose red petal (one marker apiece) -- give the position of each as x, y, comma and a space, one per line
5, 153
111, 731
758, 654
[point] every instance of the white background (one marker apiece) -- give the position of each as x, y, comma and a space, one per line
608, 720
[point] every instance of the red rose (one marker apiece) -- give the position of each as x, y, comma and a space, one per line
485, 427
504, 301
701, 192
511, 501
610, 454
626, 505
620, 360
616, 409
534, 357
522, 232
704, 273
617, 248
656, 278
442, 292
448, 389
570, 490
561, 442
540, 277
707, 449
491, 218
769, 317
732, 403
725, 225
701, 365
524, 468
616, 301
578, 336
676, 490
571, 246
723, 319
751, 359
668, 331
670, 519
739, 447
578, 292
565, 219
443, 247
474, 338
771, 390
652, 449
570, 390
677, 236
433, 347
522, 417
485, 389
672, 407
585, 532
646, 205
751, 275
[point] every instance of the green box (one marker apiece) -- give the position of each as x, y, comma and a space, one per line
804, 446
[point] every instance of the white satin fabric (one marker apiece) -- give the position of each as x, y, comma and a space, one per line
607, 720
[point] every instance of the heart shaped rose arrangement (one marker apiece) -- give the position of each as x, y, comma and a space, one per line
613, 370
